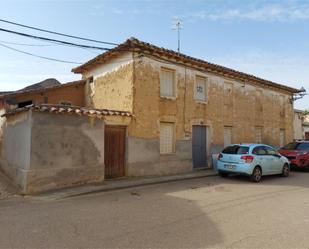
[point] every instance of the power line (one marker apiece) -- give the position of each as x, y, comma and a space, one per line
52, 40
26, 44
57, 33
39, 56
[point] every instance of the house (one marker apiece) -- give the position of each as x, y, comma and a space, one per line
185, 109
147, 111
306, 127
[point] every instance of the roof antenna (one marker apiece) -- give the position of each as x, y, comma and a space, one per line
177, 25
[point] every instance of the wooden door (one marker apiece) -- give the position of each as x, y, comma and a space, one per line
199, 153
114, 151
307, 135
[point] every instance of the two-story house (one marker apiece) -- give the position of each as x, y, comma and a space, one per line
185, 109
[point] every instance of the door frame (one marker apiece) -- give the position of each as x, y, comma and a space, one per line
125, 147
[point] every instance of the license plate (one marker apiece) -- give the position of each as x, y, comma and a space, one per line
229, 166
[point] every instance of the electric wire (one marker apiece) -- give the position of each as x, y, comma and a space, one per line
25, 44
52, 40
39, 56
57, 33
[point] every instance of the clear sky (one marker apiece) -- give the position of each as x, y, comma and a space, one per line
269, 39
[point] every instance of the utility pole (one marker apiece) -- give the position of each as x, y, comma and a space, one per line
177, 25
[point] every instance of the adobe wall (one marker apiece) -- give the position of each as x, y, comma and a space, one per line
242, 106
112, 86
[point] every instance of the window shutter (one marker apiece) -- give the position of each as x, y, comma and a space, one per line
166, 138
167, 83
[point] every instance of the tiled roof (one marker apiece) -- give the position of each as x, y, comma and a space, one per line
135, 45
63, 109
23, 91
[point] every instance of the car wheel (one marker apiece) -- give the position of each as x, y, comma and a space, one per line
223, 174
256, 174
285, 170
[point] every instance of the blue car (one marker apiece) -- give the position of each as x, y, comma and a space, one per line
253, 160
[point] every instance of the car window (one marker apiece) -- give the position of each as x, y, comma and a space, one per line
303, 146
271, 151
236, 149
290, 146
259, 150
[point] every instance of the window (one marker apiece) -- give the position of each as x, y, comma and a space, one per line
24, 103
166, 138
259, 150
65, 103
271, 151
236, 149
227, 133
200, 91
258, 135
167, 83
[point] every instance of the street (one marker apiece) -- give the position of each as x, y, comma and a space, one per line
210, 212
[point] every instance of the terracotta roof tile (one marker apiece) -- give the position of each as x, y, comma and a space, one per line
135, 45
61, 109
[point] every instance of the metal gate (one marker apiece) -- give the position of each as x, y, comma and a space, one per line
199, 153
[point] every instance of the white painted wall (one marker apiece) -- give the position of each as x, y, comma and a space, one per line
111, 66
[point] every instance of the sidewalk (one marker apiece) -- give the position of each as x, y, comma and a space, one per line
109, 185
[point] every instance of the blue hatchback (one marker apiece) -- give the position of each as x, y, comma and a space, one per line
254, 160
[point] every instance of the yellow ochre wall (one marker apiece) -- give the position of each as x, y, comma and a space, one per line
243, 107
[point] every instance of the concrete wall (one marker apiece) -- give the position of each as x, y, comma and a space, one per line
16, 147
54, 151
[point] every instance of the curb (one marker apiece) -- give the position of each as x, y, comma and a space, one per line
117, 185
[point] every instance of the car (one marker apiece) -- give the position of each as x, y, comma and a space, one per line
253, 160
297, 153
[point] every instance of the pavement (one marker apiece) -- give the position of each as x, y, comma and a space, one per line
121, 183
208, 212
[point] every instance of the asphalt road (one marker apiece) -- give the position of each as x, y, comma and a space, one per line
200, 213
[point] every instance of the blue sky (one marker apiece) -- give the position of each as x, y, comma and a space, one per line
269, 39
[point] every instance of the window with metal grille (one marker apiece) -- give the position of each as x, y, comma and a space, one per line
166, 138
258, 135
167, 83
227, 135
200, 92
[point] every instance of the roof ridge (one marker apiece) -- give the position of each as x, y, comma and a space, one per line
134, 43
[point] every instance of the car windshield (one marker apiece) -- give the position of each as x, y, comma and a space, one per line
296, 146
236, 149
303, 146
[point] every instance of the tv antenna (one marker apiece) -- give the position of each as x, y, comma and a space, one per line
177, 25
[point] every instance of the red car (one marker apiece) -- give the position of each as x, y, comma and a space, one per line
298, 154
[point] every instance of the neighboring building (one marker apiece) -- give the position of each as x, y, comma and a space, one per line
144, 111
298, 124
306, 127
185, 109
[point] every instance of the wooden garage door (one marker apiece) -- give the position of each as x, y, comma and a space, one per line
114, 151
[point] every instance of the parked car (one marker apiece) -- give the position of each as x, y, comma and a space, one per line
297, 153
254, 160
